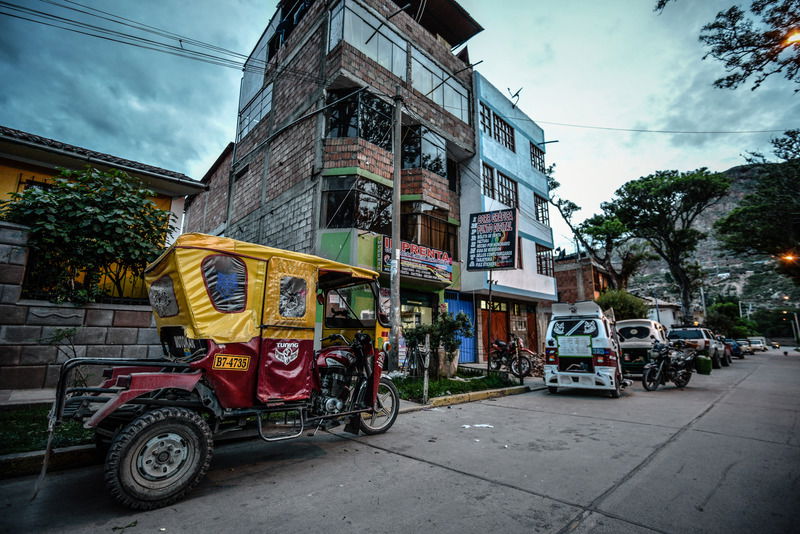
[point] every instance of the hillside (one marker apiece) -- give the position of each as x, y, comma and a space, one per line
750, 279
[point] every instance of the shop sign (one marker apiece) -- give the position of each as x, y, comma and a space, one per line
492, 240
418, 261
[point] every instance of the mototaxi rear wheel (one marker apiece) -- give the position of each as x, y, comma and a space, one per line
387, 406
158, 457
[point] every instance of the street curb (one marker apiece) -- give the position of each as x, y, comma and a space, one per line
30, 463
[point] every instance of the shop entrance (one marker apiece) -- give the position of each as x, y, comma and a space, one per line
499, 323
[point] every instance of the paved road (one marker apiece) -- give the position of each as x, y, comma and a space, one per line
723, 455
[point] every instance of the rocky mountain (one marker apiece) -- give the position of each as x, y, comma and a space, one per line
750, 279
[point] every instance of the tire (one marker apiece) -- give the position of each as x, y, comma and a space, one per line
521, 366
683, 381
715, 363
181, 442
494, 361
723, 360
389, 402
729, 358
552, 390
650, 378
617, 391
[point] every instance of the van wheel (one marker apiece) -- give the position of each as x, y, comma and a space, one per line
552, 390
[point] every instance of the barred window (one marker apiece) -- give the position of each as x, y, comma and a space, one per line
537, 158
506, 190
486, 119
504, 132
542, 210
544, 260
488, 181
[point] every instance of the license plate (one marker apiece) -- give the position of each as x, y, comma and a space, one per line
230, 362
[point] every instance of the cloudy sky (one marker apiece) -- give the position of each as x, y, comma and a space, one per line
612, 64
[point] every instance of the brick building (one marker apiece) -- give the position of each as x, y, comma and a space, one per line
579, 278
311, 169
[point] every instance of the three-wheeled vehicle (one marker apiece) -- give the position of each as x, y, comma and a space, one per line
243, 352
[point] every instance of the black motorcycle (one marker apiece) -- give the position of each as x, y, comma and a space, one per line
668, 362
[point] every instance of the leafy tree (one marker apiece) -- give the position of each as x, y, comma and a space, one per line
758, 43
445, 332
84, 225
605, 238
661, 209
626, 305
767, 221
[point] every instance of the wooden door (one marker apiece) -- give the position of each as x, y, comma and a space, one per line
499, 327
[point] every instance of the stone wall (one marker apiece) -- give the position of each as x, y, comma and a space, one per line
27, 359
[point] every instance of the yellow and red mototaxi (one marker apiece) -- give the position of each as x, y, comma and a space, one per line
238, 323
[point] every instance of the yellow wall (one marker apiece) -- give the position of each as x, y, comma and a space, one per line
13, 179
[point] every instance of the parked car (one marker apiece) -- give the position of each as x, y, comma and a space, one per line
746, 347
636, 338
736, 349
774, 344
758, 343
703, 341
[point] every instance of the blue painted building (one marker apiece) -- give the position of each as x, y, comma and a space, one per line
507, 172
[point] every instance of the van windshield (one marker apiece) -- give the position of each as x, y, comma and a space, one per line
576, 327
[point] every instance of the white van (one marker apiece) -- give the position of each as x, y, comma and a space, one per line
636, 337
582, 349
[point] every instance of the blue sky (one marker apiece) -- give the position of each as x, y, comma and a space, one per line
611, 64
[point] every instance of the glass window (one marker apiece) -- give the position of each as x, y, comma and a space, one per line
350, 307
424, 148
226, 282
162, 297
544, 260
361, 115
337, 26
359, 30
542, 210
506, 189
537, 158
437, 84
488, 181
486, 119
255, 111
576, 327
634, 332
429, 231
359, 203
503, 132
293, 297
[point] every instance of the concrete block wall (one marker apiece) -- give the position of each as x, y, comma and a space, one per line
27, 359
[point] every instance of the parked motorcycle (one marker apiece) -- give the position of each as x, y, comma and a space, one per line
668, 362
511, 355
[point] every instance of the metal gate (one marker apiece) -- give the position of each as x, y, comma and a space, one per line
463, 303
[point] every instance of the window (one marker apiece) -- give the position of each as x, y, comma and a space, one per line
351, 202
453, 175
423, 148
353, 24
486, 119
226, 282
438, 85
503, 132
537, 158
430, 231
488, 181
506, 189
162, 297
255, 111
293, 297
361, 115
544, 260
542, 210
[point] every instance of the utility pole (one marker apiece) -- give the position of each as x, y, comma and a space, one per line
797, 327
394, 360
489, 326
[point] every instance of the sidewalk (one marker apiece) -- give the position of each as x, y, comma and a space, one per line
16, 397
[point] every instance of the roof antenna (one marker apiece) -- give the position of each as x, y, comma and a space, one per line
514, 97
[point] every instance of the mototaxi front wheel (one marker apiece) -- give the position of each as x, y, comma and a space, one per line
158, 457
520, 366
650, 378
387, 406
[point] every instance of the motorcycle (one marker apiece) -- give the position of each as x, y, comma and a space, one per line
511, 355
668, 362
237, 322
